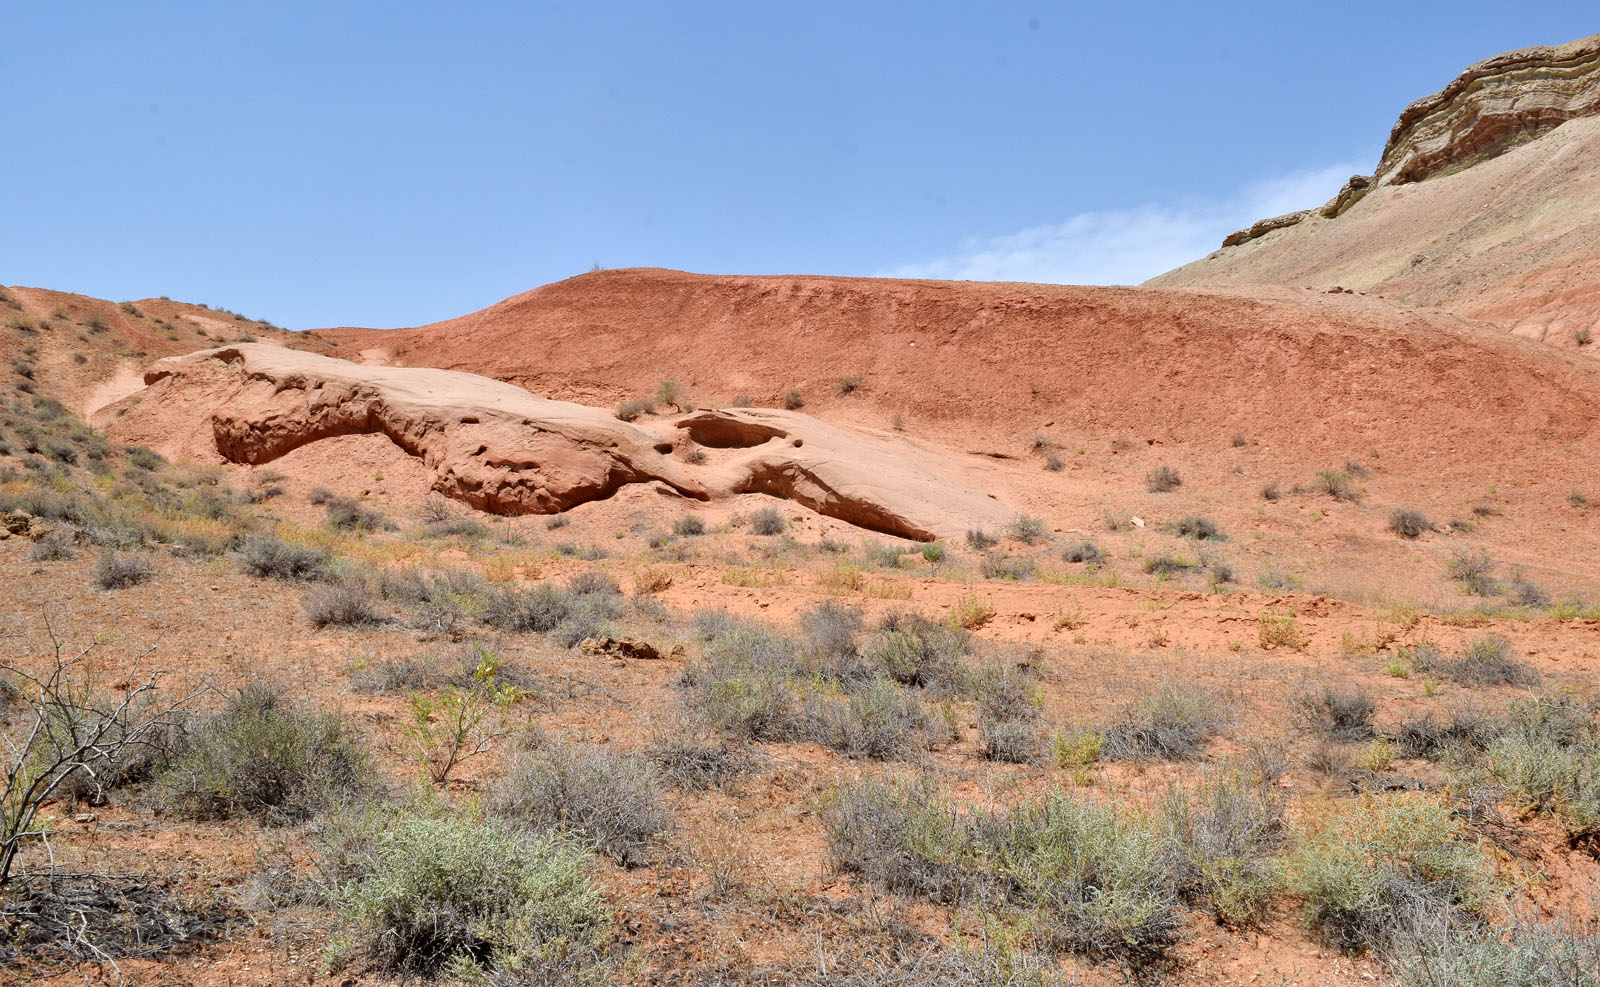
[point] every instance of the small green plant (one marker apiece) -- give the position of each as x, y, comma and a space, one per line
792, 400
1280, 630
1336, 484
689, 526
463, 722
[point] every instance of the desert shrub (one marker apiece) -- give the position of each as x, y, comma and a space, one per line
669, 392
932, 552
978, 540
688, 526
1169, 724
1335, 713
428, 892
851, 384
1270, 491
1408, 522
1336, 484
143, 458
1475, 573
1435, 952
882, 555
1523, 592
742, 682
1198, 528
1009, 739
631, 410
53, 547
556, 522
349, 514
264, 757
568, 615
272, 558
829, 630
792, 400
115, 571
906, 838
914, 650
1545, 753
396, 675
1025, 529
1488, 661
1433, 739
874, 721
1375, 863
1165, 564
1098, 881
1224, 835
766, 521
1163, 479
347, 603
613, 799
1082, 551
1053, 463
696, 764
999, 565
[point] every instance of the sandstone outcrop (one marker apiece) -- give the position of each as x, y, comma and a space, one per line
1495, 104
499, 448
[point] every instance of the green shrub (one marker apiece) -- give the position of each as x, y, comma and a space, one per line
875, 721
1170, 724
1488, 661
906, 838
913, 650
1025, 529
792, 400
264, 757
349, 514
1165, 564
1448, 952
1336, 484
1377, 862
688, 526
978, 540
613, 799
1224, 835
271, 558
430, 893
1099, 881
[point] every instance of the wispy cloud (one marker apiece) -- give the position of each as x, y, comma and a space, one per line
1126, 246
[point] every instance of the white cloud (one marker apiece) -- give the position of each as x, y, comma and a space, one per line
1126, 246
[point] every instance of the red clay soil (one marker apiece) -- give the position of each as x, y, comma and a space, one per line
986, 363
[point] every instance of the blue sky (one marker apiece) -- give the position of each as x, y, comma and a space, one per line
396, 163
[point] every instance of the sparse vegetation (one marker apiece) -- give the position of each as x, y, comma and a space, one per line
1408, 522
767, 521
117, 571
1163, 479
792, 400
1025, 529
1198, 528
1335, 713
1170, 724
611, 799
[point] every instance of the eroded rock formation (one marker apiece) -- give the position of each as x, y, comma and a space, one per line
1495, 104
500, 448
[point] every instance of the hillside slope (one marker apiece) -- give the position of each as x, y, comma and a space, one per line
1486, 203
995, 362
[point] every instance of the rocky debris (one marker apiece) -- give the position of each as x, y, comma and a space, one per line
499, 448
1494, 105
16, 522
628, 647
